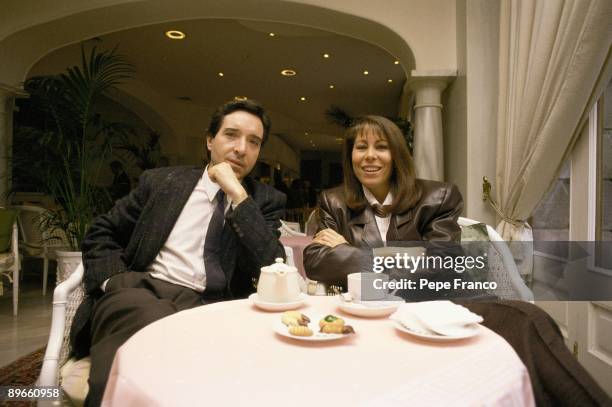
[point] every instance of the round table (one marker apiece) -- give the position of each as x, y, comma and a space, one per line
228, 354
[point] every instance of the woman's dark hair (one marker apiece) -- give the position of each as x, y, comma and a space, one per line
247, 105
406, 192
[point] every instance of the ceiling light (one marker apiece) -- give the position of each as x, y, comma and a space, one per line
325, 55
220, 74
240, 98
271, 34
331, 86
389, 80
175, 35
288, 72
396, 62
365, 72
302, 98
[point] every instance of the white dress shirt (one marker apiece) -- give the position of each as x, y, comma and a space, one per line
181, 259
381, 223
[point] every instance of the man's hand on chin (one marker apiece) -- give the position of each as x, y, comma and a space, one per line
224, 175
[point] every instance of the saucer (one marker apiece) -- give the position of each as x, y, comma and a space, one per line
371, 309
417, 329
278, 306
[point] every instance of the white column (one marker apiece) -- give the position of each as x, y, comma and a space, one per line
428, 142
7, 106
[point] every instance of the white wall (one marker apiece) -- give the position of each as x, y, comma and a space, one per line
470, 106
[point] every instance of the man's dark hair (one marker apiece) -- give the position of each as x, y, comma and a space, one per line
247, 105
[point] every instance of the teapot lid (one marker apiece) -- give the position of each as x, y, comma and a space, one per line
279, 265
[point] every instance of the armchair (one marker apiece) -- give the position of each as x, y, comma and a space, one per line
36, 242
10, 262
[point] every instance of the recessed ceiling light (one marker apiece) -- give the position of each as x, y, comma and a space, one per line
288, 72
220, 74
240, 98
175, 34
331, 86
389, 80
302, 98
365, 72
396, 62
271, 34
325, 55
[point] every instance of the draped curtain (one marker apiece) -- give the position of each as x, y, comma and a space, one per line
554, 64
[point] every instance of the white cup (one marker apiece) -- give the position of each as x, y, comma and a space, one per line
367, 286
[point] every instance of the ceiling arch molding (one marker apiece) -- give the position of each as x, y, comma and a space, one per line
61, 23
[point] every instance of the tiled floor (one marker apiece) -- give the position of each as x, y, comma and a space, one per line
29, 330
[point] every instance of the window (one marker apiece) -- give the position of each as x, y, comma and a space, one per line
604, 229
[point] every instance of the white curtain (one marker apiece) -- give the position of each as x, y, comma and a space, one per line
554, 64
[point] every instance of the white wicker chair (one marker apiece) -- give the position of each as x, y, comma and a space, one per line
67, 297
290, 229
507, 271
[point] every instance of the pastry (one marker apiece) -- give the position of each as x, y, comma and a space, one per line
290, 318
331, 320
299, 330
337, 329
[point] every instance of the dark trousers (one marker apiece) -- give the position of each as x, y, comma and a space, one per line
556, 376
131, 301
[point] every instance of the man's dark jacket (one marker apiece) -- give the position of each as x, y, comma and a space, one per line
129, 237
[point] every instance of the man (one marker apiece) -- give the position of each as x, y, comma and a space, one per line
184, 237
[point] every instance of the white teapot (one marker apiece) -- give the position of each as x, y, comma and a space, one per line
278, 283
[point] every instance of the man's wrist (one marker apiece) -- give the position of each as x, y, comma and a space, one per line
239, 196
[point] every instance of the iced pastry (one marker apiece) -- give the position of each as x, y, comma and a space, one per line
331, 320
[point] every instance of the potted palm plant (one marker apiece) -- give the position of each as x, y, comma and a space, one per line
74, 141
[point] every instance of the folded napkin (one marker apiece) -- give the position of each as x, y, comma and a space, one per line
443, 317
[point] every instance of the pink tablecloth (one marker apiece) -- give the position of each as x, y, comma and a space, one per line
297, 243
228, 354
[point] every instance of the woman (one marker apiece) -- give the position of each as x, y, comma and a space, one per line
382, 200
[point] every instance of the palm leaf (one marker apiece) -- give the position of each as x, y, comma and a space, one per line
78, 139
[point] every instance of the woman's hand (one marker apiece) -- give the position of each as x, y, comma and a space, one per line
329, 237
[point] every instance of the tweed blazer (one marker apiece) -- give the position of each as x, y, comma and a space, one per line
433, 218
129, 237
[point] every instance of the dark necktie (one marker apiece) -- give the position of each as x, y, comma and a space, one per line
215, 277
382, 211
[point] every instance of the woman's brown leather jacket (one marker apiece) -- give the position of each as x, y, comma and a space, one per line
433, 218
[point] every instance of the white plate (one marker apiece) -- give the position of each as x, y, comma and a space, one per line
278, 306
415, 328
317, 336
370, 309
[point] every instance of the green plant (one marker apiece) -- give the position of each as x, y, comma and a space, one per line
72, 140
146, 155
